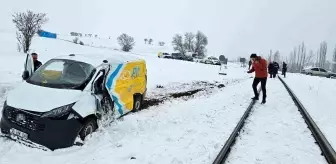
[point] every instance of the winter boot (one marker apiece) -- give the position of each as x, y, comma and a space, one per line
263, 101
255, 98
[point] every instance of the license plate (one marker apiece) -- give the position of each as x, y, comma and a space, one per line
18, 133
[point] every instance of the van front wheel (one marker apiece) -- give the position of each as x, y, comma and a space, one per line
137, 103
89, 126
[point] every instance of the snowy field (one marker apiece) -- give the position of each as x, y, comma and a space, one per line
178, 131
285, 139
317, 94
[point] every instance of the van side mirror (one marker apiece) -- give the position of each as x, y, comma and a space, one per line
25, 75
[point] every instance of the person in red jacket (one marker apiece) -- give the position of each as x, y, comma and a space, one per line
259, 66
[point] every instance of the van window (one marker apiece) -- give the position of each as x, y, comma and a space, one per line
59, 73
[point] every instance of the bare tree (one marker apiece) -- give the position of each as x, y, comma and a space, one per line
334, 61
270, 56
150, 41
162, 43
276, 57
145, 40
189, 42
27, 24
309, 59
201, 41
178, 44
126, 42
75, 40
322, 54
299, 58
19, 47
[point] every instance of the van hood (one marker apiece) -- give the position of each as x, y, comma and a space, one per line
40, 99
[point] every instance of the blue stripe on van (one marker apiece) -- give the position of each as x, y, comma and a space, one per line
109, 85
116, 100
113, 75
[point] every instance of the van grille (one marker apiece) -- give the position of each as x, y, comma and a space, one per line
27, 119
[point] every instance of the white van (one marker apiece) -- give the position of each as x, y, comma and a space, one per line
66, 96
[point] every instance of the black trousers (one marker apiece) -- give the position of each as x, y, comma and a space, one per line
256, 81
284, 73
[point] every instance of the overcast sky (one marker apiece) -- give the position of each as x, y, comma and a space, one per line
234, 28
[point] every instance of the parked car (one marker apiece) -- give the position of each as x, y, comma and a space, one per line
188, 58
177, 56
211, 60
65, 97
164, 55
317, 71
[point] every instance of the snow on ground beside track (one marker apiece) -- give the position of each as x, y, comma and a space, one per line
276, 133
177, 132
317, 94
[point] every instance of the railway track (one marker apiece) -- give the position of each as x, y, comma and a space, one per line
327, 151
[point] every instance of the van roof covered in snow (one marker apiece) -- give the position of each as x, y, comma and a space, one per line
97, 59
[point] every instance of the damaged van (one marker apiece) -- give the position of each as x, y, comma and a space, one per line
67, 96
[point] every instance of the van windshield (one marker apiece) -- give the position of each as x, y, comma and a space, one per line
61, 73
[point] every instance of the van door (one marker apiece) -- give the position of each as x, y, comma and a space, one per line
28, 67
104, 102
110, 84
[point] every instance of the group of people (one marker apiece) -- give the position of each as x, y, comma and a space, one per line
273, 69
259, 66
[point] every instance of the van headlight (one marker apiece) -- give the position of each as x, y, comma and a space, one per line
58, 112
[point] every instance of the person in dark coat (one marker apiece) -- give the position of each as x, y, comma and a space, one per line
270, 69
284, 69
37, 63
250, 63
275, 69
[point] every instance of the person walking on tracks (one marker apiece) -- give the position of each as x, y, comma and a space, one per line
259, 66
275, 69
284, 69
270, 69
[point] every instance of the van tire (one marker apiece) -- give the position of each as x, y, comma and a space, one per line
137, 103
89, 126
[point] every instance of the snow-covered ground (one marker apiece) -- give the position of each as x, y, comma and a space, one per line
276, 133
317, 94
177, 132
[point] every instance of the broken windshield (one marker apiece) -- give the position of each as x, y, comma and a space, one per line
61, 73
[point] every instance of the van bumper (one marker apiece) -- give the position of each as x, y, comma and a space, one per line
53, 134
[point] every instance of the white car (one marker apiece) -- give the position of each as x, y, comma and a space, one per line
211, 60
317, 71
165, 55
